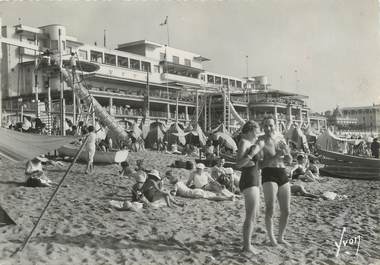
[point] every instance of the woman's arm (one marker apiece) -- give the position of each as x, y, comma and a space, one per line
243, 158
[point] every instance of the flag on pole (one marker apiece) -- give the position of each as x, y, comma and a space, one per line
165, 22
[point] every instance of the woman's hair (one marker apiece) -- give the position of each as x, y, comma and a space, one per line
91, 128
249, 126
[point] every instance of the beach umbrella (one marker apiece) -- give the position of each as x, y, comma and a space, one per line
226, 140
136, 131
175, 133
145, 128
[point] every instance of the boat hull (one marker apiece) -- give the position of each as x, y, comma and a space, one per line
99, 157
363, 161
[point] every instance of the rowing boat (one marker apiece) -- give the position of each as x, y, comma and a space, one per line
99, 157
364, 161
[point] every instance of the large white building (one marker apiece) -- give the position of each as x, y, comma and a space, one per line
137, 80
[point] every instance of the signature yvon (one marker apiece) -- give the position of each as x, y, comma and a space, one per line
351, 241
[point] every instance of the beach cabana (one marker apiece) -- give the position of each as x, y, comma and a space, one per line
155, 135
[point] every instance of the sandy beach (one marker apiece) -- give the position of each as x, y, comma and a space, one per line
81, 228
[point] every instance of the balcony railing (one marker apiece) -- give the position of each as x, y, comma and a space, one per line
180, 78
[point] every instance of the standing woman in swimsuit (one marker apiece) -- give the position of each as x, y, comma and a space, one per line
250, 178
275, 179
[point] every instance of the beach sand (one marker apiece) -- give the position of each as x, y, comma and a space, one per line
81, 228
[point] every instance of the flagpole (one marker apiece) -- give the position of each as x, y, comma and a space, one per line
167, 29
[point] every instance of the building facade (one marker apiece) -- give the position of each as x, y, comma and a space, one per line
367, 117
137, 80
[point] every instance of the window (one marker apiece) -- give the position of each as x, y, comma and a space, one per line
218, 80
96, 56
232, 83
203, 77
225, 82
175, 59
187, 62
238, 84
122, 61
210, 79
110, 59
54, 44
145, 66
162, 56
135, 64
82, 54
156, 68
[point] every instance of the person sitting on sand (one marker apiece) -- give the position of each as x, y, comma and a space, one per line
34, 174
175, 149
200, 179
152, 189
218, 170
140, 166
178, 188
301, 170
137, 192
126, 170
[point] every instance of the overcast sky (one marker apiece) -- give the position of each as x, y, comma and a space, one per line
331, 47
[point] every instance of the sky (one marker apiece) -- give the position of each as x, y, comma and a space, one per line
328, 50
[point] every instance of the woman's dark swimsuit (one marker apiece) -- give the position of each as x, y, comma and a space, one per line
248, 178
274, 174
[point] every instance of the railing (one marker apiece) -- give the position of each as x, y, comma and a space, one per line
180, 78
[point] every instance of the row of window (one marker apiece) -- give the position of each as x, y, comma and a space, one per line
120, 61
217, 80
175, 59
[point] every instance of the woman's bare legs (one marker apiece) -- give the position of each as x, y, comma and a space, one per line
252, 201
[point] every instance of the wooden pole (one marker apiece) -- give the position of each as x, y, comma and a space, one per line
196, 107
51, 199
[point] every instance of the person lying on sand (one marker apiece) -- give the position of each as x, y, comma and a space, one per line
299, 190
200, 179
152, 189
34, 174
178, 188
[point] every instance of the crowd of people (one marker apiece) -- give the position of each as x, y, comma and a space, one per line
265, 162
